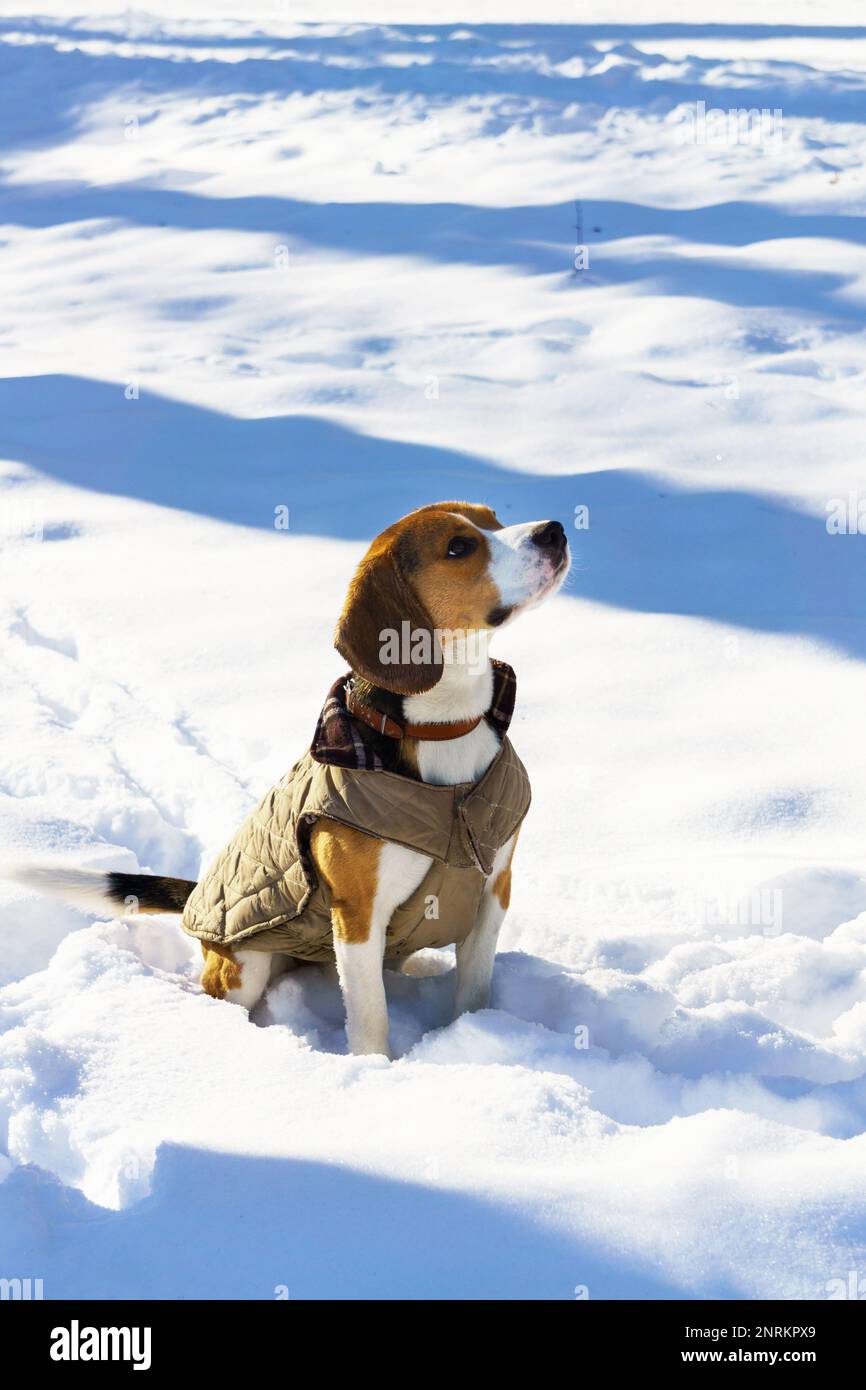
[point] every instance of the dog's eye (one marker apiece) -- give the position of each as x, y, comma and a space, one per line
459, 546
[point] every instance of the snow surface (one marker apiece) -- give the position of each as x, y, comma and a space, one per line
266, 263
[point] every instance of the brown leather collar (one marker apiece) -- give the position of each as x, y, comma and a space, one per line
383, 724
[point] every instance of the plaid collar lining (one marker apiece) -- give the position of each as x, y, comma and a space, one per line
345, 742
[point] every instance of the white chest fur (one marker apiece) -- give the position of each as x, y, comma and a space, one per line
461, 693
458, 759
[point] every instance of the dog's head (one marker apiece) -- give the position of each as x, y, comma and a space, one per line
449, 568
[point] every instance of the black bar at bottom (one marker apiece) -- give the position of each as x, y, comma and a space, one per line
66, 1338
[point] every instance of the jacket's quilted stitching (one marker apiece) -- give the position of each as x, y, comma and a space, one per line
262, 890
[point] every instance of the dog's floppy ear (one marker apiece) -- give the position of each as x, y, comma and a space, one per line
384, 623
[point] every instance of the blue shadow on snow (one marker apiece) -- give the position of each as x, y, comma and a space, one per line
729, 556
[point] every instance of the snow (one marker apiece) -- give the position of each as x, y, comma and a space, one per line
297, 261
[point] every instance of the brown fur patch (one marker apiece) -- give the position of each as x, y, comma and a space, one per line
457, 593
222, 971
502, 888
502, 882
482, 516
407, 761
348, 861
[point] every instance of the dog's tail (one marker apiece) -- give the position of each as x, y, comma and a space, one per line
99, 891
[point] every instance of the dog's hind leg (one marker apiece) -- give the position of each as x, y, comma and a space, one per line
239, 977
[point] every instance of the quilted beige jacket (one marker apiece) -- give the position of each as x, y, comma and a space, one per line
263, 893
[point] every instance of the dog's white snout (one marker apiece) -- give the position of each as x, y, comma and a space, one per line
529, 561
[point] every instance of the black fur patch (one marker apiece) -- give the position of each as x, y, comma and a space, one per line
152, 893
497, 615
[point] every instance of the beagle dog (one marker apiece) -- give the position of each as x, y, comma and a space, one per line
451, 569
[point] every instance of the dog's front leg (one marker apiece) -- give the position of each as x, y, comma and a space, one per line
367, 879
475, 954
359, 965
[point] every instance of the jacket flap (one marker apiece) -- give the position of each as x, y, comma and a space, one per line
496, 805
384, 804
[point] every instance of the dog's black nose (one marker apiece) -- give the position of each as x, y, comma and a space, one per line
550, 536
